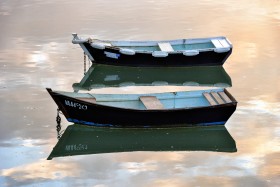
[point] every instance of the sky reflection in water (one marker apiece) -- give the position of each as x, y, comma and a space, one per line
36, 52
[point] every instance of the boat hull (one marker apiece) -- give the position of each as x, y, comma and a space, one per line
86, 113
113, 56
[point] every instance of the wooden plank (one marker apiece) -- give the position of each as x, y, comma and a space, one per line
225, 97
216, 43
217, 98
165, 47
209, 98
87, 99
224, 43
151, 102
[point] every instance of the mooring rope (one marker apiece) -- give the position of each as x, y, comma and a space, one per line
58, 126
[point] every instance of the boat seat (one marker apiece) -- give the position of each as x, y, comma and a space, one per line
220, 43
225, 97
224, 43
86, 99
151, 102
165, 47
209, 98
215, 98
218, 99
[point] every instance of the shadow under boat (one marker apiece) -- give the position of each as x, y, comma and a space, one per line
82, 140
99, 76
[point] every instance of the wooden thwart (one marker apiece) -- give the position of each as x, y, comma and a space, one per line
165, 47
151, 102
217, 43
218, 99
225, 97
224, 43
215, 98
209, 98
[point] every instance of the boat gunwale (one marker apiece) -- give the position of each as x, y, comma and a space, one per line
122, 44
234, 102
155, 42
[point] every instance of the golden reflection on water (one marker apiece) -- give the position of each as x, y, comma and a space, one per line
38, 57
41, 170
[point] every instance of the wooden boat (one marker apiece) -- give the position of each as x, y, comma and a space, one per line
83, 140
199, 107
181, 52
100, 76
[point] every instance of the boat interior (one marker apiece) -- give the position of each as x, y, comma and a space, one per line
170, 45
157, 101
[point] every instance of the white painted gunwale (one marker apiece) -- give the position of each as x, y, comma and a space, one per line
122, 44
119, 99
149, 43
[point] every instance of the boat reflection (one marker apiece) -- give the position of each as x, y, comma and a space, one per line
99, 76
81, 140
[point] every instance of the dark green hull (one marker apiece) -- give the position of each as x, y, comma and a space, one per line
204, 58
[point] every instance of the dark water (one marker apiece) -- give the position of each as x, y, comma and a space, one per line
36, 52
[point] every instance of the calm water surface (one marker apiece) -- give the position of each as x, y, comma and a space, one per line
36, 52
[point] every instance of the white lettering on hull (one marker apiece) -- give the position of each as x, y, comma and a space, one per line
75, 105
